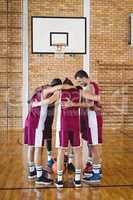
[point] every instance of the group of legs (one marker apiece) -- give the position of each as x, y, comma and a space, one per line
38, 138
68, 137
34, 152
92, 171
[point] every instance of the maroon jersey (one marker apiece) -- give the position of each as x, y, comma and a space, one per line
35, 122
91, 128
69, 119
34, 113
70, 116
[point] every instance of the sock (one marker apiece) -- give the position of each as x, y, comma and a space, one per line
49, 155
89, 160
96, 168
31, 166
77, 174
59, 175
39, 170
70, 160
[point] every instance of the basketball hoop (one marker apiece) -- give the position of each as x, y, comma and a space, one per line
59, 50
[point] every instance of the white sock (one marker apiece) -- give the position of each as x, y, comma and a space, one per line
96, 168
49, 155
59, 175
39, 170
70, 160
31, 166
77, 174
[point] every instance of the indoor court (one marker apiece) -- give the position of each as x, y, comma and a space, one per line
45, 40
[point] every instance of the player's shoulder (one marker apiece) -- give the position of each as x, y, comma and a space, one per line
96, 87
94, 83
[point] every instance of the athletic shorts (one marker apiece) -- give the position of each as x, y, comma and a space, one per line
91, 126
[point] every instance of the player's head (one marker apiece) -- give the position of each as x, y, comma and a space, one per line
55, 82
67, 81
82, 77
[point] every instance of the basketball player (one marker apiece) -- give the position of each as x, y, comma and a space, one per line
91, 128
68, 128
47, 127
34, 135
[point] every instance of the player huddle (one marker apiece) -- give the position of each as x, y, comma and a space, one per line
78, 118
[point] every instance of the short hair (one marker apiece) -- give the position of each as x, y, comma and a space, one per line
67, 81
81, 74
79, 87
55, 82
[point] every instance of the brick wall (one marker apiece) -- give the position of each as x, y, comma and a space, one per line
110, 54
10, 64
111, 59
42, 69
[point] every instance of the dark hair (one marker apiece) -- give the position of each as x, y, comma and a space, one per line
81, 74
55, 82
67, 81
79, 87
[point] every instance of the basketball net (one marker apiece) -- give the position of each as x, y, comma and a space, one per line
59, 50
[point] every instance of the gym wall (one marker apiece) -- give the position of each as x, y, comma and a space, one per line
110, 57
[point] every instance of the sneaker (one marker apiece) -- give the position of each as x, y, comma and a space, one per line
77, 183
43, 181
88, 175
88, 169
71, 168
45, 173
95, 178
50, 163
59, 184
32, 175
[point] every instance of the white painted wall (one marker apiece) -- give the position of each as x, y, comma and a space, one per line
86, 57
86, 67
25, 59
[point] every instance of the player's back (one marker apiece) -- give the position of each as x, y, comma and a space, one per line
70, 116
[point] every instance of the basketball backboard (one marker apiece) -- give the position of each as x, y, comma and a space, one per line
49, 31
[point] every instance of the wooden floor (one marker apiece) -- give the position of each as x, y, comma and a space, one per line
117, 182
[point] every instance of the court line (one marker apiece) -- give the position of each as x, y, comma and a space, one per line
85, 186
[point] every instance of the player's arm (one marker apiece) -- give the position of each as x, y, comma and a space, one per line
47, 101
67, 87
49, 90
85, 104
90, 96
69, 104
55, 88
93, 92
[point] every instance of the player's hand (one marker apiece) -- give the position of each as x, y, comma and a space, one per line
68, 104
35, 104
